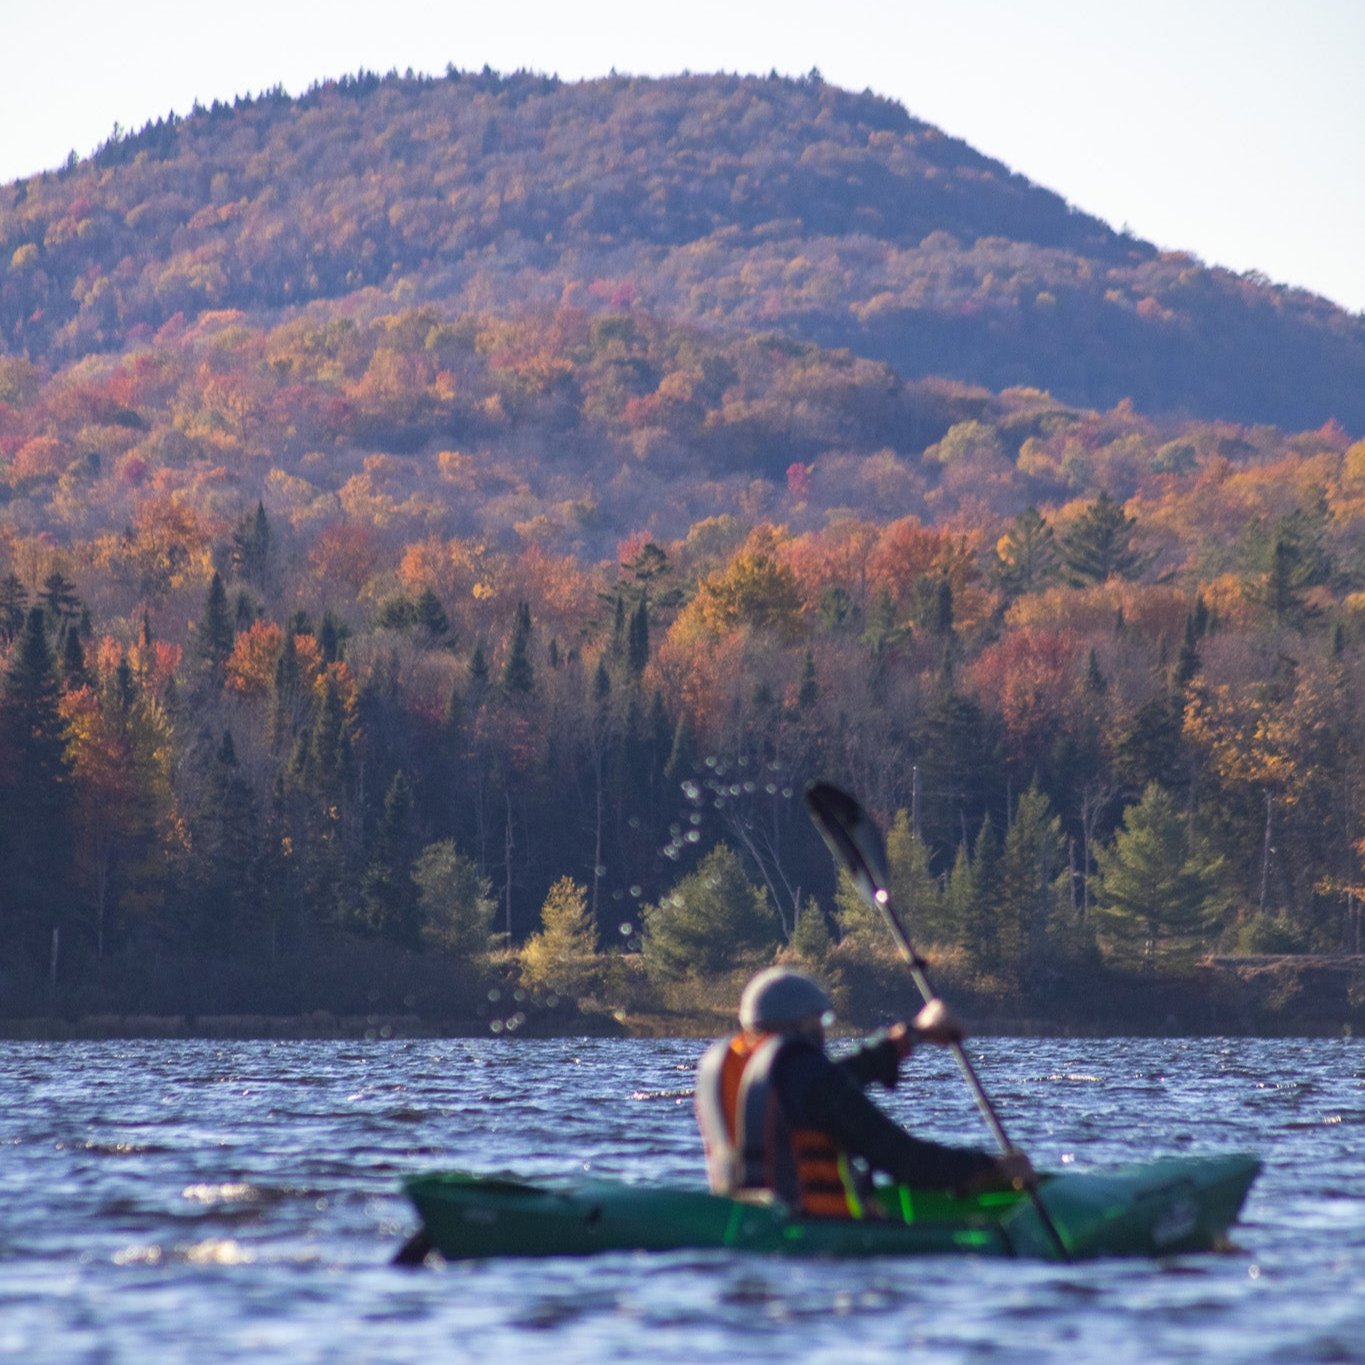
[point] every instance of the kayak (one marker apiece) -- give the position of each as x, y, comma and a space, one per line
1157, 1208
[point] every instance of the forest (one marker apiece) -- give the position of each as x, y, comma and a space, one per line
445, 523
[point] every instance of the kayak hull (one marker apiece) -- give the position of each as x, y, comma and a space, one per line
1158, 1208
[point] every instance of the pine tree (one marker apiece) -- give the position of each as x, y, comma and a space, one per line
389, 905
710, 921
959, 765
74, 673
977, 907
960, 906
637, 642
563, 956
1152, 748
862, 933
1032, 865
914, 888
251, 549
810, 941
518, 677
1026, 558
225, 846
13, 601
1187, 662
35, 837
431, 615
331, 637
58, 598
456, 903
288, 698
1095, 681
214, 639
478, 674
1099, 546
1157, 893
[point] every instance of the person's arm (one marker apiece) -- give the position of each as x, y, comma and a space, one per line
879, 1059
823, 1095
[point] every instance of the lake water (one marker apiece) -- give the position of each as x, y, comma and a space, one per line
204, 1201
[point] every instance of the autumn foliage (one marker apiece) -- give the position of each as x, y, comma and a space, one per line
544, 530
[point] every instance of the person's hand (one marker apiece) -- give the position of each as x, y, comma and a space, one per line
903, 1036
1012, 1171
936, 1023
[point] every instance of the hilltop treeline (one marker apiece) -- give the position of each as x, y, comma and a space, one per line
736, 203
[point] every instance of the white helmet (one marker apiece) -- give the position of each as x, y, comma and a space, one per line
780, 1000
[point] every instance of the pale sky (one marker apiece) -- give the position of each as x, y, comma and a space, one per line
1232, 129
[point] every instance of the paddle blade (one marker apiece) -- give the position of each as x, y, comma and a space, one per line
853, 838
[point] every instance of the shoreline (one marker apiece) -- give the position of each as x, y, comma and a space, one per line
325, 1027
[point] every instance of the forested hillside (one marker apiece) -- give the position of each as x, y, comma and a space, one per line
741, 204
444, 523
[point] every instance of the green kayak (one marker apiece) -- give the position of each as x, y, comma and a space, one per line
1154, 1209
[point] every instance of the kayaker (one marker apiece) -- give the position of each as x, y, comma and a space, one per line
778, 1115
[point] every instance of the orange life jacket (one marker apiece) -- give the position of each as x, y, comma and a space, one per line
749, 1143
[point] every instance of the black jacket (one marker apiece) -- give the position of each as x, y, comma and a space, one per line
816, 1092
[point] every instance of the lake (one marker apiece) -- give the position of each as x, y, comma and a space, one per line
204, 1201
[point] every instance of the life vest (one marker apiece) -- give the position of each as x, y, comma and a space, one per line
751, 1146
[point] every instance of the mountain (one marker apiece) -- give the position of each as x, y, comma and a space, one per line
733, 205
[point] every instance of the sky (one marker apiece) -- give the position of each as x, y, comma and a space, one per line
1230, 129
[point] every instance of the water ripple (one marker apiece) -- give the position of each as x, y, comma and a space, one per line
208, 1201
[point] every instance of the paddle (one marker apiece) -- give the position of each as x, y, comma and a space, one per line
856, 844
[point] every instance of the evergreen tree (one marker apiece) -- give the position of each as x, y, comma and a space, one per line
13, 601
1095, 681
456, 903
246, 611
711, 921
1027, 559
637, 642
1099, 545
1151, 748
214, 639
518, 677
331, 637
35, 837
682, 753
74, 673
601, 683
1297, 561
810, 941
914, 888
862, 932
1032, 867
251, 549
960, 905
1157, 893
288, 697
959, 759
389, 904
934, 612
59, 600
1187, 662
478, 674
225, 847
977, 903
431, 615
563, 956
